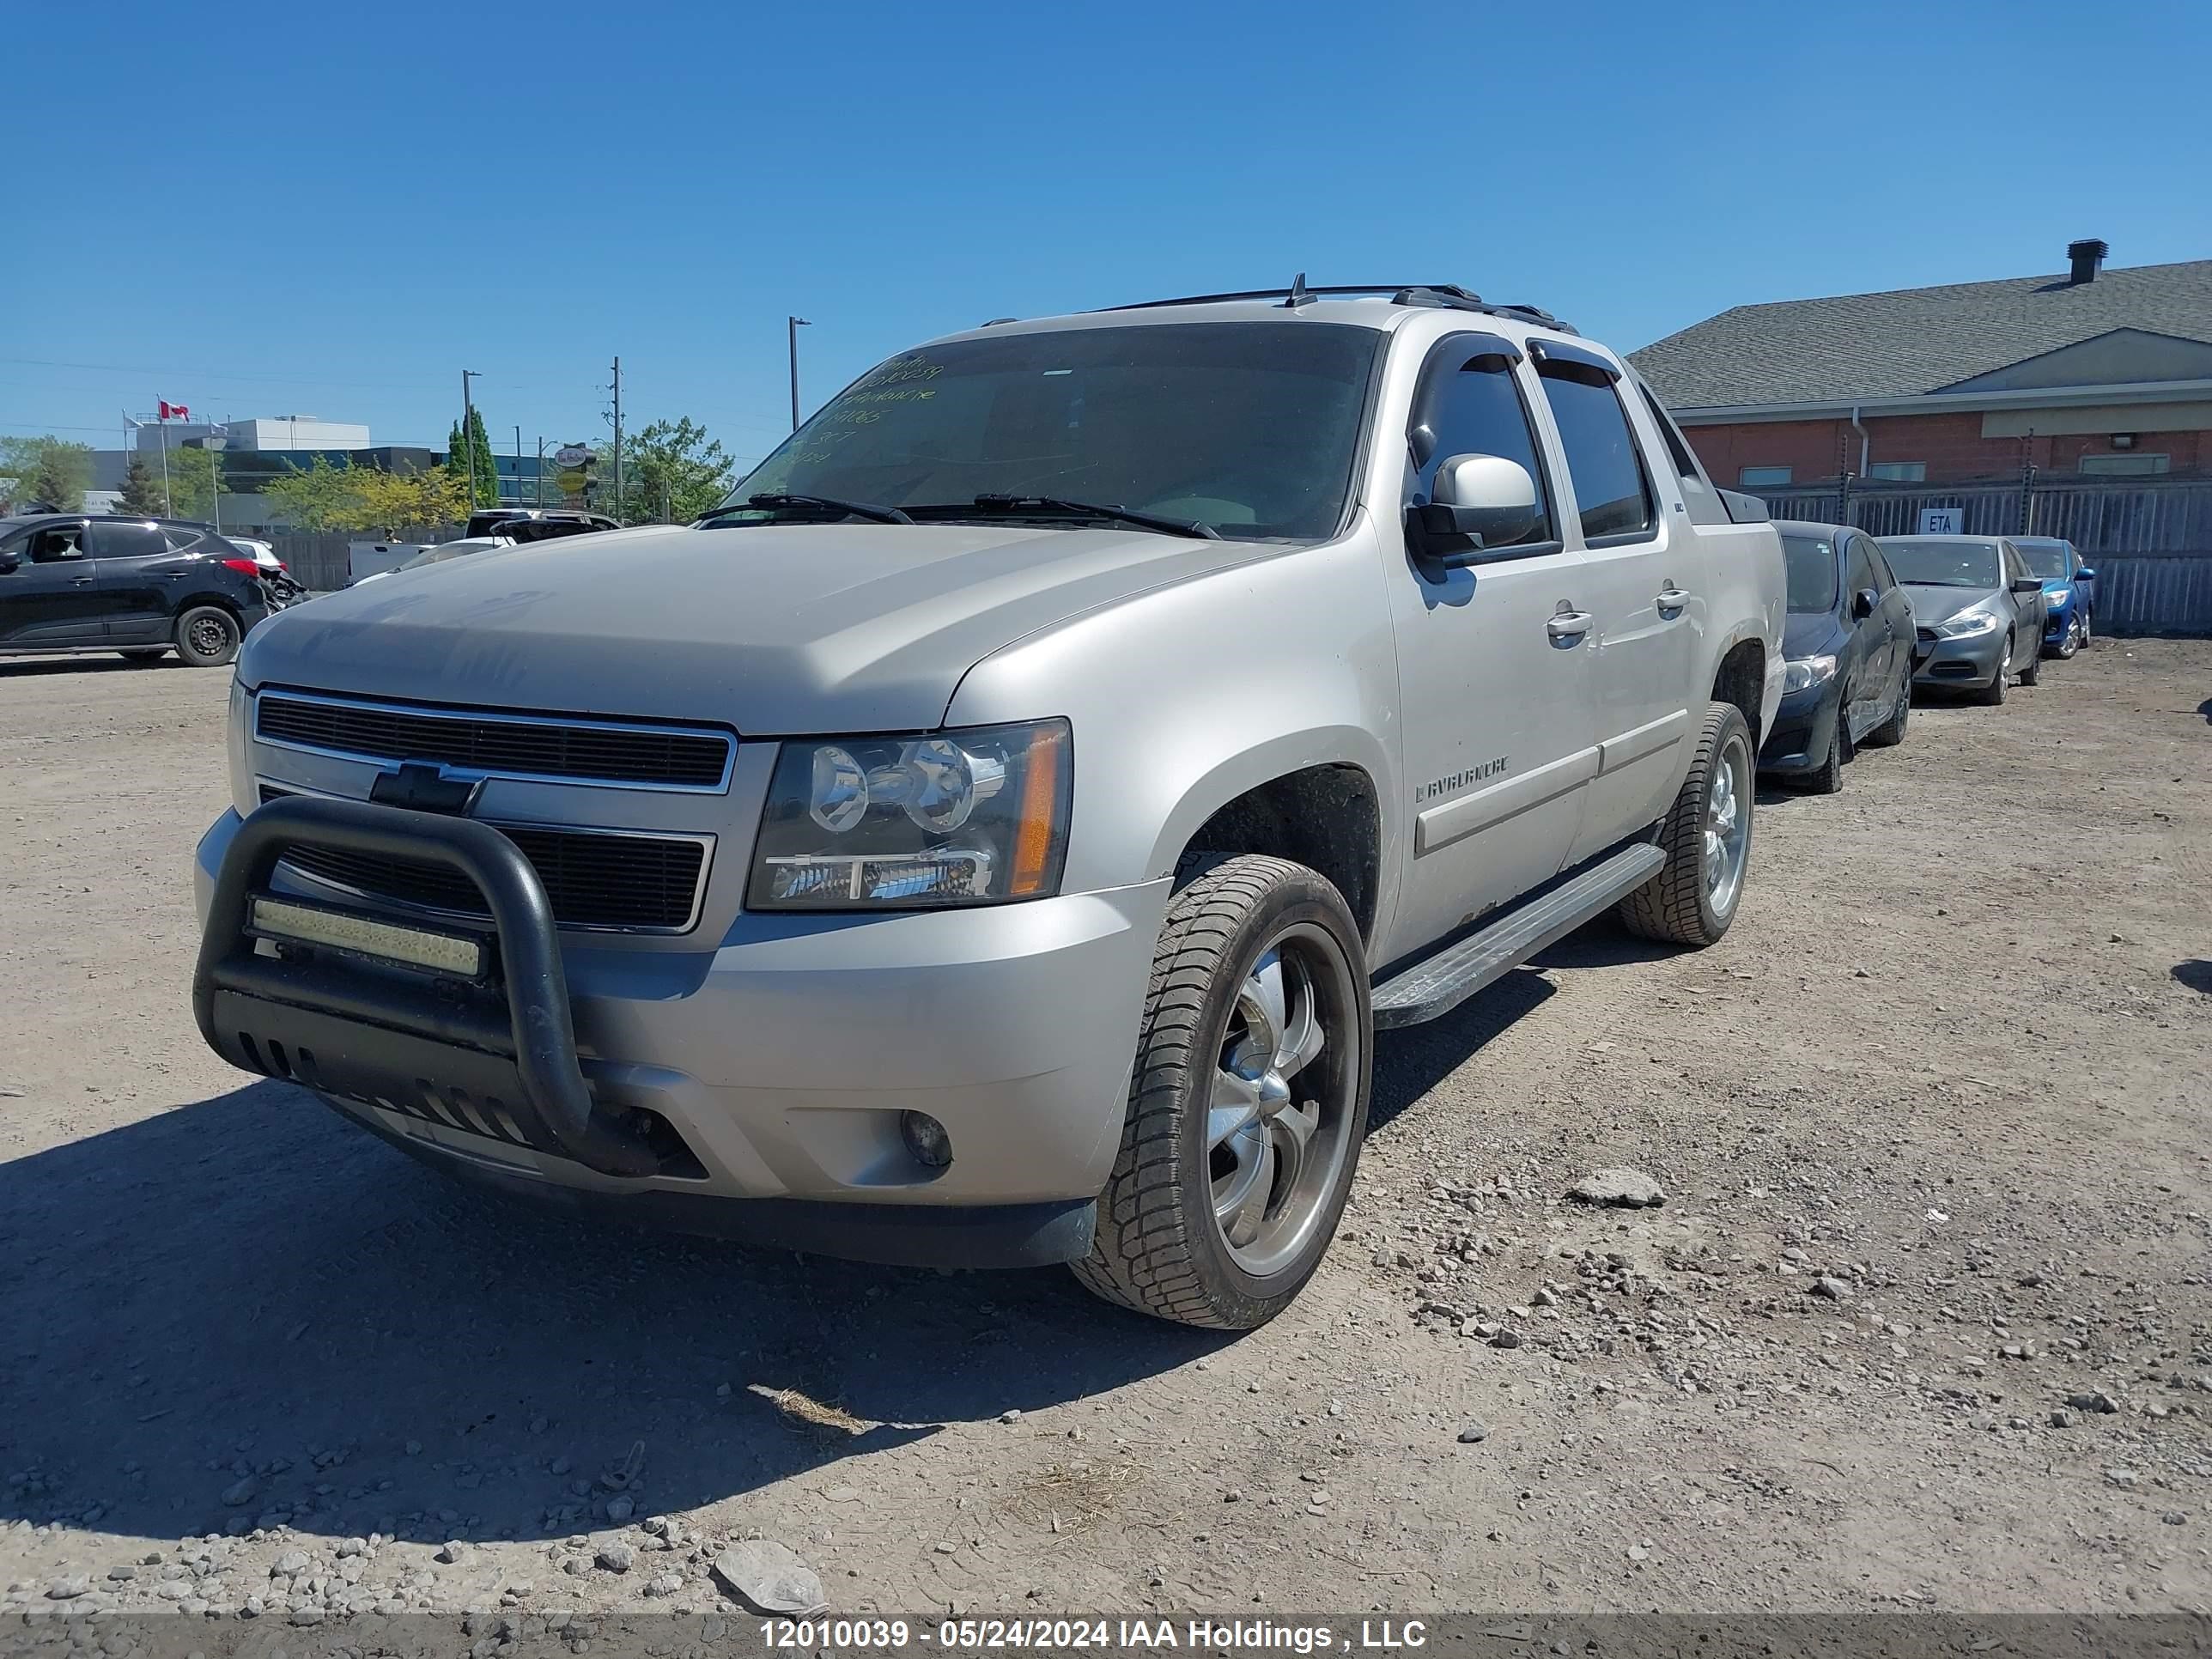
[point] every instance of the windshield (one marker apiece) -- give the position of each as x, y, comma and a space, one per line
2046, 560
1812, 563
1940, 562
1250, 428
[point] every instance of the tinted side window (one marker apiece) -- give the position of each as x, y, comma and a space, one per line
1858, 569
1476, 410
1602, 458
1883, 581
127, 541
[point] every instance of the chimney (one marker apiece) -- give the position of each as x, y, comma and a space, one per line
2086, 257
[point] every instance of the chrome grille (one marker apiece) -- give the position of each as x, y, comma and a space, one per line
592, 878
510, 745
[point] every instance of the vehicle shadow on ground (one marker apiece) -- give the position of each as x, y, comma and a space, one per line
246, 1282
29, 667
2205, 709
2196, 974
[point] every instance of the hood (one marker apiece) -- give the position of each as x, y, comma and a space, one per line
1808, 633
1932, 602
777, 629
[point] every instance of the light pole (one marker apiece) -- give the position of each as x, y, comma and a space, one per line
469, 432
214, 444
792, 325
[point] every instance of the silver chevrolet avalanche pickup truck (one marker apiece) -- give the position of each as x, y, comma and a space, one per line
996, 835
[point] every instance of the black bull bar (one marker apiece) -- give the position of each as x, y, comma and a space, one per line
495, 1057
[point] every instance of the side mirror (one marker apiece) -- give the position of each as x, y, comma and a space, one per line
10, 563
1864, 602
1476, 503
2085, 575
2026, 586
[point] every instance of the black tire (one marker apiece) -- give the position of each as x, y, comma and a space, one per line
1159, 1249
1827, 778
2033, 671
1890, 731
1993, 694
1676, 905
207, 636
152, 653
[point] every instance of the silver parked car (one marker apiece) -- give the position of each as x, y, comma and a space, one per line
1978, 610
996, 835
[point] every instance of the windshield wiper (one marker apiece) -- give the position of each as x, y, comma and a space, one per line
1018, 504
776, 503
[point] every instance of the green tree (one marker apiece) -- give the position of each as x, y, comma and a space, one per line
195, 480
458, 449
672, 472
46, 472
315, 497
142, 490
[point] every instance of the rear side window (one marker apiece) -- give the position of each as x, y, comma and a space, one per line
127, 541
1602, 458
1476, 410
1883, 581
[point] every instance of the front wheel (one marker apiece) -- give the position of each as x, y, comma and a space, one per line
1247, 1102
1994, 692
2033, 671
207, 636
2070, 640
1706, 836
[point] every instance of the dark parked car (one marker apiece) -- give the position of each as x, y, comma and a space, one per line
534, 523
1849, 646
85, 582
1977, 608
2070, 591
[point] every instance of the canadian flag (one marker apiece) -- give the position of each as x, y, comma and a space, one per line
175, 412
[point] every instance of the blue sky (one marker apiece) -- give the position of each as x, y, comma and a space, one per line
334, 209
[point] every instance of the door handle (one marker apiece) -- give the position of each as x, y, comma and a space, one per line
1568, 624
176, 575
81, 582
1672, 598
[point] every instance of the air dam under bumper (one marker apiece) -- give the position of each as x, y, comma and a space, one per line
760, 1081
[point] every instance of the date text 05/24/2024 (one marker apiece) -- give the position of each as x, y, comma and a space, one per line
861, 1635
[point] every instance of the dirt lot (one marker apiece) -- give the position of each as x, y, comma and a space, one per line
1932, 1122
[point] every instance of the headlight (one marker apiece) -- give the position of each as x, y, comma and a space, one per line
1806, 672
973, 817
2058, 595
1966, 627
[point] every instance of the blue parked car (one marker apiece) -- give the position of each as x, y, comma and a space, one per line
2070, 591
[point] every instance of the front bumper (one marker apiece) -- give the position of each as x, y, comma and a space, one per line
2056, 622
752, 1088
1968, 662
1804, 726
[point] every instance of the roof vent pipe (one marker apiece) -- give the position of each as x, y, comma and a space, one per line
2086, 257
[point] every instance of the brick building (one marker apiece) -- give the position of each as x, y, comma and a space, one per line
2089, 373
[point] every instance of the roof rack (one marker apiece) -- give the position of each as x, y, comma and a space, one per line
1298, 294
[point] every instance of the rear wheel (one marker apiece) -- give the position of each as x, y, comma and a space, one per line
1706, 836
2034, 671
1247, 1102
1890, 731
207, 636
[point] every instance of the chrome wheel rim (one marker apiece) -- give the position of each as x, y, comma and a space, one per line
1278, 1118
209, 636
1728, 826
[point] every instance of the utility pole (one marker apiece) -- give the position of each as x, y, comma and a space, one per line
518, 463
791, 325
541, 469
168, 508
618, 487
469, 432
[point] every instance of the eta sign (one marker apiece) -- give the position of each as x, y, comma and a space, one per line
1942, 520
